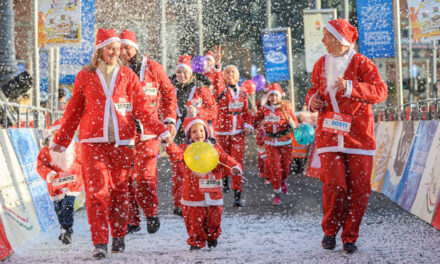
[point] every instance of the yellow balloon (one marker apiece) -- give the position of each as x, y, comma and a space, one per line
201, 157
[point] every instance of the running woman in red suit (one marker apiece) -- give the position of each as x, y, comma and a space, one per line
345, 85
234, 121
162, 98
278, 121
193, 99
105, 100
201, 199
62, 172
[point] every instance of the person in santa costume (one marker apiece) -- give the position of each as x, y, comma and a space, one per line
62, 172
345, 85
105, 100
202, 197
234, 121
260, 134
214, 69
162, 98
278, 120
193, 99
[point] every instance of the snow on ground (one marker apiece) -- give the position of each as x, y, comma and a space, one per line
250, 239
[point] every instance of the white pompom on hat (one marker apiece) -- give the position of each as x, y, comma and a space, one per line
341, 29
129, 37
105, 37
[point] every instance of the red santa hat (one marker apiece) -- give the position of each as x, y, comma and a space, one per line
188, 122
210, 56
129, 37
184, 61
345, 33
274, 88
56, 125
105, 37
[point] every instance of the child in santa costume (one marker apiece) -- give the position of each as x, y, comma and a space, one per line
345, 85
202, 197
106, 99
62, 172
278, 120
234, 122
193, 99
162, 98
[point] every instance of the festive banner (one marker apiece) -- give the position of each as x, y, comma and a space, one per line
59, 22
424, 16
385, 133
405, 133
16, 209
276, 60
375, 25
429, 187
26, 150
407, 191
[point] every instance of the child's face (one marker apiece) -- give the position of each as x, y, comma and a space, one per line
274, 99
197, 133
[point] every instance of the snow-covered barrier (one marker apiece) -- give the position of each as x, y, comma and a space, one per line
25, 207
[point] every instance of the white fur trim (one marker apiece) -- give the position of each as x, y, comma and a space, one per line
310, 101
130, 42
50, 176
193, 122
249, 126
212, 202
57, 127
238, 168
349, 89
337, 35
57, 197
274, 92
366, 152
210, 57
185, 66
169, 119
147, 137
276, 143
165, 135
107, 42
229, 133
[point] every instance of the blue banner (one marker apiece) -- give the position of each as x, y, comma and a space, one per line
375, 25
27, 151
415, 166
275, 56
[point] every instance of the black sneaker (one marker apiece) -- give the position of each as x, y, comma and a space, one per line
194, 248
212, 244
153, 224
329, 242
178, 211
226, 185
350, 248
132, 229
67, 238
237, 199
118, 245
100, 251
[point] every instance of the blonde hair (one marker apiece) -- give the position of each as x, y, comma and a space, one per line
96, 58
233, 68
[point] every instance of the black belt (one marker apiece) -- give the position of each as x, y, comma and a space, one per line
278, 134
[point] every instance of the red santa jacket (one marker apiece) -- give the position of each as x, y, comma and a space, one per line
215, 74
92, 103
364, 88
233, 112
192, 195
160, 94
64, 169
275, 119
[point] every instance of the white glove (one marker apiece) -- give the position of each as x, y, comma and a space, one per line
50, 176
192, 111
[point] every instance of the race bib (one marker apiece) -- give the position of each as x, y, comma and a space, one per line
123, 106
337, 123
149, 89
235, 106
208, 183
272, 118
63, 179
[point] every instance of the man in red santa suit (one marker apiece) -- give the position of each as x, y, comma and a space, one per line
345, 85
162, 99
105, 100
234, 121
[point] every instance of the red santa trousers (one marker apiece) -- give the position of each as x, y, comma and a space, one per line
345, 192
134, 215
278, 164
145, 174
234, 146
105, 171
202, 224
178, 174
